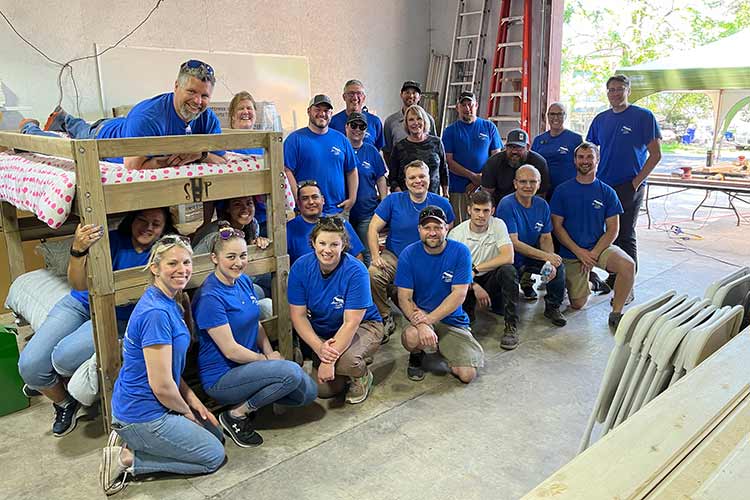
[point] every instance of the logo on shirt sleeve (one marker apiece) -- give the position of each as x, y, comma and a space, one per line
338, 302
336, 151
625, 130
597, 204
447, 276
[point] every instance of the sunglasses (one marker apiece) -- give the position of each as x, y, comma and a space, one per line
358, 125
196, 64
171, 239
226, 233
432, 212
334, 221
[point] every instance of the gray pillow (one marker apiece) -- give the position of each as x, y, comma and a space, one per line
56, 254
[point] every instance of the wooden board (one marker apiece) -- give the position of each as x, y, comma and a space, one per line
40, 144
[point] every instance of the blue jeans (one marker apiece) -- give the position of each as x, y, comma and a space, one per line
77, 128
171, 443
360, 227
61, 344
555, 287
261, 383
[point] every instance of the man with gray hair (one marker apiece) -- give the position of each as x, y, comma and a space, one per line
393, 128
354, 97
182, 112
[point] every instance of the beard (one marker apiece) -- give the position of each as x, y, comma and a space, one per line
188, 115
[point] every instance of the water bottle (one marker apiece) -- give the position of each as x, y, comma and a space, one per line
546, 271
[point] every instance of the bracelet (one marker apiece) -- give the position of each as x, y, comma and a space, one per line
76, 253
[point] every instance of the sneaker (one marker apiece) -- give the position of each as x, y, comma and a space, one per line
509, 341
114, 440
630, 299
66, 418
112, 474
389, 326
434, 363
359, 388
29, 392
554, 315
56, 120
614, 319
529, 293
414, 371
598, 286
26, 121
240, 430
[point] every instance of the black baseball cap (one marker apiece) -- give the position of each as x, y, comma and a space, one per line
518, 137
467, 95
356, 116
320, 99
411, 84
432, 212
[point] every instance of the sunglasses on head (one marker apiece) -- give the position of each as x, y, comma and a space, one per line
196, 64
171, 239
229, 232
307, 183
334, 221
358, 125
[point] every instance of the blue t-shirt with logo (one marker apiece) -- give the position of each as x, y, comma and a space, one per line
373, 134
123, 256
432, 276
156, 320
326, 299
528, 223
559, 151
470, 144
216, 304
325, 158
402, 216
370, 167
623, 139
157, 117
585, 209
298, 238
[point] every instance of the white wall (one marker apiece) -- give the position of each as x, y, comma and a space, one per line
382, 43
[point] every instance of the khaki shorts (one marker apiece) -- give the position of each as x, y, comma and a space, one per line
576, 281
458, 346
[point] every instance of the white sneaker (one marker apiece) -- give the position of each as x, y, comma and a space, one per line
112, 474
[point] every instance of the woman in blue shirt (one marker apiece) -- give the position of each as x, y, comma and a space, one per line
159, 423
236, 362
65, 339
332, 310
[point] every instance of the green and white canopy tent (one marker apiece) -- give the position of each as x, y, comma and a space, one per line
720, 69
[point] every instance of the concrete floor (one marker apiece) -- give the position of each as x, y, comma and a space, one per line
494, 439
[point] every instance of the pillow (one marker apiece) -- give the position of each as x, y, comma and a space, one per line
56, 255
32, 295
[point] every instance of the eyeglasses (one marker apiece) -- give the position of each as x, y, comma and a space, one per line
228, 232
358, 125
196, 64
558, 115
616, 90
171, 239
354, 94
334, 221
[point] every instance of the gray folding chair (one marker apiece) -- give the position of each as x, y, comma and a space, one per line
714, 287
733, 293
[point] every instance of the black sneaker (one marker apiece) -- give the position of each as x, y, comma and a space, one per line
611, 281
598, 286
434, 363
509, 341
554, 315
389, 326
614, 319
529, 293
29, 392
415, 371
66, 418
240, 430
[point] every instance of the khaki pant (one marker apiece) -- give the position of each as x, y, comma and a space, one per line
576, 281
381, 280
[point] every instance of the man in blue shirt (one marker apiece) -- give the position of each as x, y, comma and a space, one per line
556, 146
585, 217
372, 184
182, 112
432, 277
530, 228
469, 142
318, 153
354, 97
298, 230
630, 142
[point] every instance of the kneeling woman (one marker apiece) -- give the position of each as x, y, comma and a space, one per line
162, 423
236, 362
332, 309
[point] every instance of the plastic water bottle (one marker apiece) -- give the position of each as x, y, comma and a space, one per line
546, 271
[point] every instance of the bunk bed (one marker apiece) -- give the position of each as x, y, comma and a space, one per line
95, 196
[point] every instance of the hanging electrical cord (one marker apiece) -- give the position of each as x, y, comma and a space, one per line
68, 64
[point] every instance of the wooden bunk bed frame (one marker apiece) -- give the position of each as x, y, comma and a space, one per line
94, 201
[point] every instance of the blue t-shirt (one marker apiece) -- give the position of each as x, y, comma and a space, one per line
157, 117
156, 320
585, 208
470, 144
326, 299
325, 158
432, 276
370, 167
123, 256
216, 304
249, 151
528, 223
559, 152
298, 238
402, 216
623, 139
373, 134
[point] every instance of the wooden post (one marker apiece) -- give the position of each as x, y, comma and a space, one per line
92, 209
277, 231
12, 235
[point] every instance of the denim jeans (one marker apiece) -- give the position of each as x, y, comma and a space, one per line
261, 383
77, 128
360, 227
171, 443
61, 344
555, 287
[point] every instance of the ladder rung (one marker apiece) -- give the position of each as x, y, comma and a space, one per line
512, 19
506, 118
451, 106
460, 84
472, 13
508, 69
465, 60
464, 37
509, 44
505, 94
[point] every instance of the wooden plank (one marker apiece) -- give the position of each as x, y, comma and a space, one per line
629, 461
12, 235
270, 326
108, 357
127, 197
33, 229
149, 146
37, 143
731, 479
